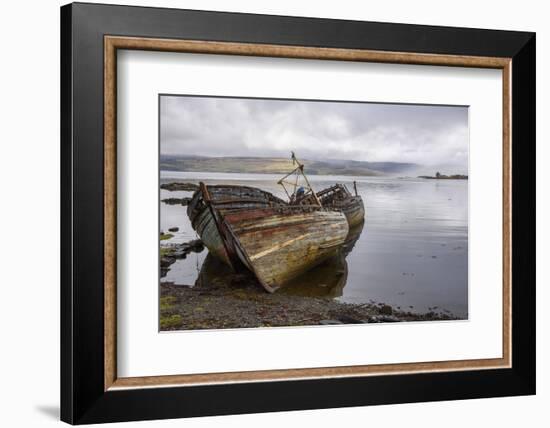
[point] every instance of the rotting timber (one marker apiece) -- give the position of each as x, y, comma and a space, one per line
338, 197
209, 203
246, 226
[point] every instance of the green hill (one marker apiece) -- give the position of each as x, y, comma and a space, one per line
258, 165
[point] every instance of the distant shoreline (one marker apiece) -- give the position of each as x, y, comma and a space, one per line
274, 165
444, 177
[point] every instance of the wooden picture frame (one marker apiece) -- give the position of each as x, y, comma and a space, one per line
91, 390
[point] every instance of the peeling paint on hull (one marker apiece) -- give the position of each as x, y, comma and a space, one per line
207, 230
280, 244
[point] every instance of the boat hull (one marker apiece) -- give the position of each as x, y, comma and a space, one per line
208, 231
281, 243
339, 198
353, 209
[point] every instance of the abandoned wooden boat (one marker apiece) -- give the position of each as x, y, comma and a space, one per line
338, 197
253, 228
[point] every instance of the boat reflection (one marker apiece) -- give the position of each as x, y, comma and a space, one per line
351, 239
329, 278
325, 280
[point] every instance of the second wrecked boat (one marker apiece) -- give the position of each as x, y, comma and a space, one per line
276, 241
339, 198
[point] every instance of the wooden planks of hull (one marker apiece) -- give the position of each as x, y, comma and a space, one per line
354, 210
338, 197
278, 244
208, 231
206, 210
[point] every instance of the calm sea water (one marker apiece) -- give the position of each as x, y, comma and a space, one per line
412, 251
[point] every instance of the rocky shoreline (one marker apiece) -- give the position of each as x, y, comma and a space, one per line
176, 201
177, 186
444, 177
244, 304
169, 254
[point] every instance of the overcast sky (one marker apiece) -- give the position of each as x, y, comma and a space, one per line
426, 135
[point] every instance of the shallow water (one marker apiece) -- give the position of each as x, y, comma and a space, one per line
412, 251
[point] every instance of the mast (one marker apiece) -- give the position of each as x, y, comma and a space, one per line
298, 171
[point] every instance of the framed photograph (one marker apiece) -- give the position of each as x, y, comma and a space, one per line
266, 213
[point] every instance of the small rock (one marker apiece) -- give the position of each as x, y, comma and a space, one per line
384, 318
189, 187
385, 310
173, 229
349, 320
330, 322
176, 201
181, 250
166, 261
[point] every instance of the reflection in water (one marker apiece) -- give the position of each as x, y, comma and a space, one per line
353, 236
214, 272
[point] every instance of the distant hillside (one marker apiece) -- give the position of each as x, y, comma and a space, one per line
257, 165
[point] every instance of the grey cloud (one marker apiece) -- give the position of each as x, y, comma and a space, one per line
427, 135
